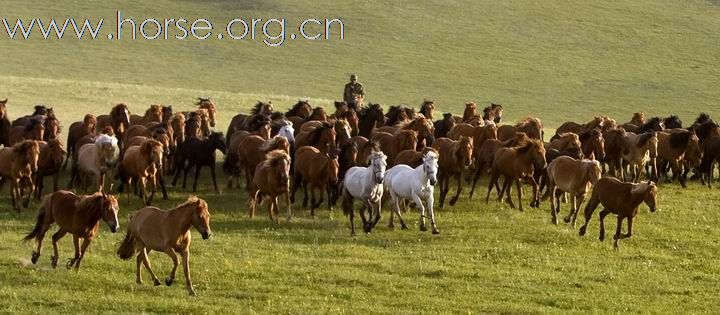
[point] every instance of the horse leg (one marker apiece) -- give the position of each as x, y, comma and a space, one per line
603, 214
55, 238
144, 254
305, 194
161, 179
396, 209
348, 208
493, 180
142, 182
39, 181
171, 252
366, 225
39, 239
83, 248
573, 204
618, 231
580, 198
274, 203
443, 191
377, 212
554, 203
294, 187
677, 172
212, 175
186, 268
138, 270
101, 182
76, 244
312, 199
289, 206
185, 173
630, 223
13, 193
589, 209
198, 167
519, 193
459, 189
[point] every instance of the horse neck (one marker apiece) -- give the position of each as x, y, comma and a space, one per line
183, 216
420, 170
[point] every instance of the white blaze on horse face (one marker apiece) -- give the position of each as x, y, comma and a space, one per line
347, 132
127, 114
288, 132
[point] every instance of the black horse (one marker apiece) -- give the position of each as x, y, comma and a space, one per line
197, 153
370, 116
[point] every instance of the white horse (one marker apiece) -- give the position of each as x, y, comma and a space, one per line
366, 184
96, 159
287, 131
415, 184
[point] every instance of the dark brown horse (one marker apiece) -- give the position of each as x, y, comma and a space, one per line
427, 109
318, 137
18, 164
455, 157
118, 119
78, 130
392, 145
593, 144
518, 164
77, 215
677, 148
470, 112
533, 127
370, 117
5, 124
33, 130
443, 126
319, 170
614, 147
619, 198
50, 162
365, 148
493, 113
399, 114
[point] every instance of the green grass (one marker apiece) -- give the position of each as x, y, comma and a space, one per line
559, 60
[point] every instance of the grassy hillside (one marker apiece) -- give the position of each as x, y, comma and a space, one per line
559, 60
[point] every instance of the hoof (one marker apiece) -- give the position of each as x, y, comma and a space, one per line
435, 231
157, 282
582, 231
70, 263
602, 237
192, 292
34, 258
423, 227
169, 281
453, 201
404, 227
391, 226
53, 261
554, 220
566, 219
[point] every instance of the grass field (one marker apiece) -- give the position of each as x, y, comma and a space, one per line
559, 60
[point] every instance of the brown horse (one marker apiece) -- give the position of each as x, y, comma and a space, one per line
230, 165
301, 109
18, 164
272, 179
455, 156
619, 198
153, 113
413, 158
566, 174
118, 119
533, 127
143, 163
370, 117
640, 151
342, 127
614, 147
571, 126
493, 113
52, 128
424, 127
77, 215
167, 231
33, 130
470, 111
208, 105
443, 126
50, 161
679, 147
318, 137
565, 141
592, 144
365, 148
638, 119
352, 119
78, 130
517, 164
392, 145
318, 169
427, 109
5, 124
253, 149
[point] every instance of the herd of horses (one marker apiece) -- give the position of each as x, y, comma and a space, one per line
358, 152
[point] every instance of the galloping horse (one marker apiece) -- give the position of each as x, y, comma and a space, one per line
167, 231
17, 164
366, 184
392, 145
33, 130
144, 164
619, 198
317, 169
570, 126
641, 149
208, 105
78, 130
592, 144
516, 164
677, 148
153, 113
318, 137
569, 175
405, 183
272, 179
50, 161
5, 124
118, 119
96, 159
198, 153
533, 127
370, 116
253, 149
443, 126
455, 156
77, 215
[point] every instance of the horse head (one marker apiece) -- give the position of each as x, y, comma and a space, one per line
200, 216
465, 150
28, 153
109, 209
378, 162
218, 141
648, 190
430, 166
209, 105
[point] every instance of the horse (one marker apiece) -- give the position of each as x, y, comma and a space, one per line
301, 109
352, 120
638, 119
619, 198
398, 113
654, 124
167, 113
592, 144
394, 144
143, 163
78, 130
167, 231
40, 112
640, 149
413, 158
33, 130
416, 184
566, 174
5, 124
443, 126
365, 148
50, 161
455, 156
238, 121
18, 164
96, 159
370, 116
342, 128
198, 153
427, 109
208, 105
533, 127
118, 119
676, 148
493, 113
470, 112
318, 137
318, 169
517, 164
672, 122
564, 141
614, 148
52, 128
272, 179
253, 149
366, 184
153, 113
77, 215
193, 126
571, 126
711, 154
424, 128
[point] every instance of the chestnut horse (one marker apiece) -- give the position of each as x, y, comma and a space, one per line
118, 119
619, 198
676, 148
5, 124
143, 163
566, 174
455, 156
493, 113
592, 144
272, 179
78, 130
318, 169
365, 148
413, 158
153, 113
253, 149
167, 231
18, 164
77, 215
318, 137
427, 109
33, 130
517, 164
208, 105
533, 127
50, 161
392, 145
571, 126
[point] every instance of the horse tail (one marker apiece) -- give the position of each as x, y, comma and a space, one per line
127, 247
346, 199
230, 164
40, 220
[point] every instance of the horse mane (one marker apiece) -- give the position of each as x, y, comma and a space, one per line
425, 107
531, 143
372, 106
147, 147
680, 139
394, 113
88, 204
278, 116
374, 146
272, 157
117, 108
649, 124
703, 117
520, 139
671, 121
24, 146
258, 108
40, 110
339, 104
257, 121
191, 201
317, 111
316, 133
644, 138
274, 144
532, 121
34, 122
407, 135
587, 134
293, 111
